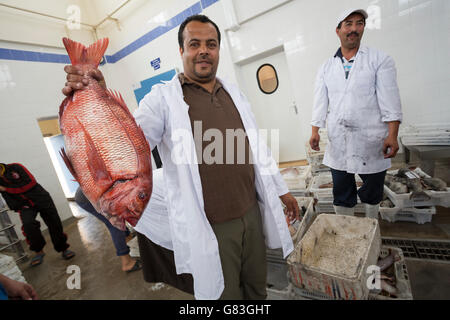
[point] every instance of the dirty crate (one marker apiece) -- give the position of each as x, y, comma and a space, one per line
403, 285
327, 207
333, 254
315, 158
297, 178
326, 194
419, 215
404, 200
400, 271
308, 203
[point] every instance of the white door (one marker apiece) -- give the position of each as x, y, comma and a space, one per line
276, 111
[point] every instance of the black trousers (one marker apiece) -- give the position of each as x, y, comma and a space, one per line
31, 227
345, 192
158, 265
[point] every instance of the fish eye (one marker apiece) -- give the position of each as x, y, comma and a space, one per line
142, 195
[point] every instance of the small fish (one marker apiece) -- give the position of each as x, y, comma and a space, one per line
326, 185
386, 204
303, 210
390, 280
414, 184
435, 184
396, 184
388, 261
388, 288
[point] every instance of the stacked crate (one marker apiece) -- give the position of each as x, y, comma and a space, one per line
407, 208
9, 240
297, 179
9, 268
324, 195
315, 158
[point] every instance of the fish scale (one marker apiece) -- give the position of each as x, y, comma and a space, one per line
107, 152
117, 152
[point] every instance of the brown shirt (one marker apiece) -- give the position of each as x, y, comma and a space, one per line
228, 183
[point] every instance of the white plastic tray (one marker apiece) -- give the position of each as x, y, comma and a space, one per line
417, 215
403, 200
297, 178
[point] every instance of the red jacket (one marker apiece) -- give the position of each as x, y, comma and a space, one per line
22, 190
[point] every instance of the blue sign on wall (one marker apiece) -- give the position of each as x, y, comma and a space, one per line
156, 64
146, 85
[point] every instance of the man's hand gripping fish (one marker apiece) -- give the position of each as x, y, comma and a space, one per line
106, 151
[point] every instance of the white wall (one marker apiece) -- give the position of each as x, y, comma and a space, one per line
32, 93
32, 90
126, 74
416, 33
18, 26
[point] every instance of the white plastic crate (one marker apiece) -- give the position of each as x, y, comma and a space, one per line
325, 194
6, 263
297, 178
3, 205
313, 156
9, 268
417, 215
327, 207
403, 284
356, 243
308, 203
403, 200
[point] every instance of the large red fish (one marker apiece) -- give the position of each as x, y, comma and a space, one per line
107, 152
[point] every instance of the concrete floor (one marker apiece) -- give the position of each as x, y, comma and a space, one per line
100, 268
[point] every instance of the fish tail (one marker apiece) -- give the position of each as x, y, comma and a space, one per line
419, 195
79, 54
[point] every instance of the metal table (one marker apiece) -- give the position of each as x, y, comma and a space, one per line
427, 155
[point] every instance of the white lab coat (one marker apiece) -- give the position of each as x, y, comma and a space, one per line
163, 116
154, 222
357, 110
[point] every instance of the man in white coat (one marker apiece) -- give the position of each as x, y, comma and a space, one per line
222, 213
356, 94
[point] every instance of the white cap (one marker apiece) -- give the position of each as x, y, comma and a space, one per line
348, 12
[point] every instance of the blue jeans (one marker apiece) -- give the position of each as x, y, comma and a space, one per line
345, 192
118, 236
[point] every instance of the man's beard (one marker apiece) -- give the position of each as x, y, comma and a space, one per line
205, 77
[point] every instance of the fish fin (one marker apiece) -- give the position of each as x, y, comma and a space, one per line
79, 54
117, 97
420, 195
96, 165
66, 159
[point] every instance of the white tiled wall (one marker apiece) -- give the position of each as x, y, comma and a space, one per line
126, 74
33, 91
416, 33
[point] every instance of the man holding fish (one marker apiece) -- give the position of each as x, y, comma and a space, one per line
357, 95
222, 215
